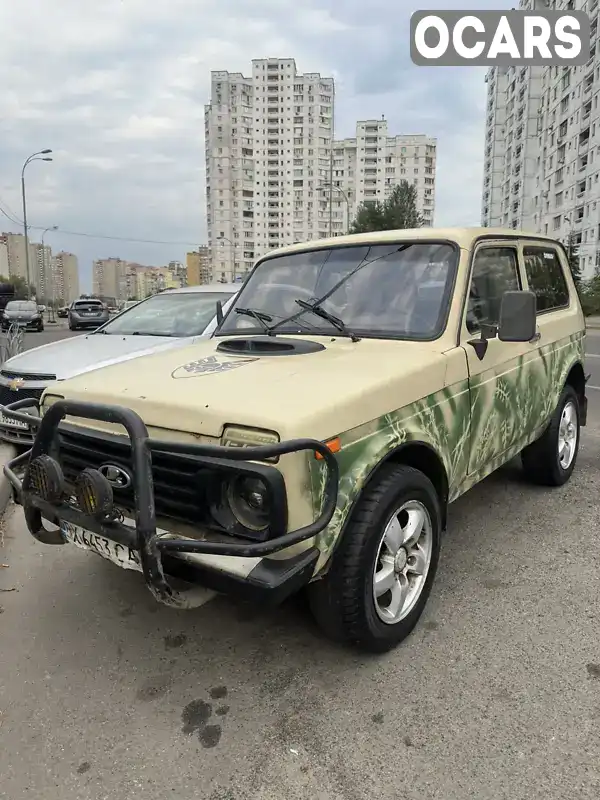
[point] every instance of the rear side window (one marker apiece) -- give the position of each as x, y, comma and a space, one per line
546, 277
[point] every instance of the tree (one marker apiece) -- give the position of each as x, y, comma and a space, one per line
398, 211
20, 285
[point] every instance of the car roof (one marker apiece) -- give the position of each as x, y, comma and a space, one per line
224, 288
464, 237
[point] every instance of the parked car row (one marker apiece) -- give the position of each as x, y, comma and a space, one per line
315, 439
173, 318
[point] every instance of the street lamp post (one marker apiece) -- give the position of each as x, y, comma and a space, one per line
331, 187
32, 157
51, 280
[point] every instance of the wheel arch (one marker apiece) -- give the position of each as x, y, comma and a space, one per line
576, 378
417, 454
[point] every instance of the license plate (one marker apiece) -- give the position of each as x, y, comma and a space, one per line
13, 422
119, 554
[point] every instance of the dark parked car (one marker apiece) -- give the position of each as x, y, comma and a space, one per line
24, 313
88, 313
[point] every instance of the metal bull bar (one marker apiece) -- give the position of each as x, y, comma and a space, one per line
154, 548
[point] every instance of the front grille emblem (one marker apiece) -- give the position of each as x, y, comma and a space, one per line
16, 384
116, 476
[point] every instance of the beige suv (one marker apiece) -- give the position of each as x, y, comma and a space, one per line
355, 388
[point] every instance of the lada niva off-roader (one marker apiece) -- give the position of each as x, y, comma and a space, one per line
355, 388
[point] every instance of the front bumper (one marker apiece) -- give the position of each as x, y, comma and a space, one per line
19, 432
164, 557
91, 322
28, 325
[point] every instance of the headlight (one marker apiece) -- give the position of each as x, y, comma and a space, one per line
237, 436
249, 501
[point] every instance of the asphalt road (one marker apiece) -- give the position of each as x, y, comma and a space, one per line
105, 694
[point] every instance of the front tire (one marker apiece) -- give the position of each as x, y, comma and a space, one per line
550, 460
383, 570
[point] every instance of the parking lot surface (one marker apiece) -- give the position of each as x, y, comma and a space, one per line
105, 694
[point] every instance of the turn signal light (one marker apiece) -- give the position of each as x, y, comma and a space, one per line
333, 445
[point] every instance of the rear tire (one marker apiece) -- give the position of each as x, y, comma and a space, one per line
373, 595
550, 460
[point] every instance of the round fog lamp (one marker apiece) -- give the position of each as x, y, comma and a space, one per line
46, 479
248, 499
93, 493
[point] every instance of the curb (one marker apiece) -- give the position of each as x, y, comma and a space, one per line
7, 452
592, 325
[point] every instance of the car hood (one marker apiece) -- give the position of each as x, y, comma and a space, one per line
199, 390
80, 354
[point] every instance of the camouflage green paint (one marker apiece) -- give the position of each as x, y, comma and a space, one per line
487, 423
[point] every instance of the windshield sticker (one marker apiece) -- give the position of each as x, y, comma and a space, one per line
209, 365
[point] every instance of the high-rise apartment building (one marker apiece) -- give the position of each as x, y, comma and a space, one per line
197, 267
367, 167
268, 138
40, 257
512, 146
3, 256
17, 263
40, 269
542, 150
111, 277
151, 280
64, 285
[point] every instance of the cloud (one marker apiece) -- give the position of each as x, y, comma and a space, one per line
117, 90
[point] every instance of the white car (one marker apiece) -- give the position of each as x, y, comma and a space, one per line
173, 318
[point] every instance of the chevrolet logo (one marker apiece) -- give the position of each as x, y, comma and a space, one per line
16, 384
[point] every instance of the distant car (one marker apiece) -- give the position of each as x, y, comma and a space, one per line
63, 312
130, 304
24, 313
87, 313
173, 318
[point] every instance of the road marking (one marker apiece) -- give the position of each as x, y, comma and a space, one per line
592, 355
597, 388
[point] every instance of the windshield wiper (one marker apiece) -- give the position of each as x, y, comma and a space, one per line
260, 316
147, 333
335, 321
335, 287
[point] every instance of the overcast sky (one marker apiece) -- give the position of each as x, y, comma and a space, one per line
117, 89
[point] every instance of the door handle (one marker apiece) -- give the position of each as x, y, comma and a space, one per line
536, 337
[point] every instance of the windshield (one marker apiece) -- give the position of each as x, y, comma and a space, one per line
21, 305
88, 304
179, 315
400, 291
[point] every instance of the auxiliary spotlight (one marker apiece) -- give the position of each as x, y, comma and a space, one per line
46, 479
94, 493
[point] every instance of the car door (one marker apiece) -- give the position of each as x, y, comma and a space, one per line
499, 377
559, 322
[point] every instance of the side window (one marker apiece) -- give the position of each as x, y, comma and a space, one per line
546, 278
495, 271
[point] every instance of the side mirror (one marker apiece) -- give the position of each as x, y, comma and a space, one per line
219, 312
517, 317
